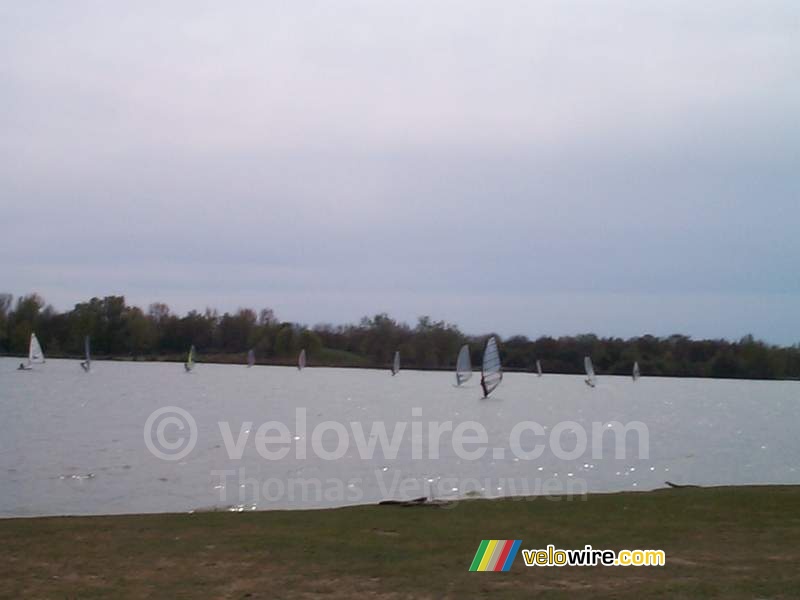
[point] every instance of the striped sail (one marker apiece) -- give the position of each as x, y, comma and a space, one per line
538, 368
492, 370
35, 354
251, 358
301, 360
636, 373
463, 365
396, 363
591, 379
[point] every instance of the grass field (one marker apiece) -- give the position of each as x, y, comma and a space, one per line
720, 542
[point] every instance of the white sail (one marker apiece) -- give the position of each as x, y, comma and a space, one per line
301, 360
492, 370
35, 354
591, 379
396, 363
189, 365
463, 365
251, 358
636, 373
87, 361
538, 368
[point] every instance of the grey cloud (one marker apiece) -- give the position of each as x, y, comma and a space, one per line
530, 167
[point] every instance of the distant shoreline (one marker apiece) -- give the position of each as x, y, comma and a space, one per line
424, 503
116, 330
216, 360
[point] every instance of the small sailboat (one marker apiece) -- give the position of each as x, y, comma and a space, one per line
301, 360
189, 364
538, 368
463, 365
396, 363
591, 378
251, 358
636, 372
35, 354
492, 370
86, 363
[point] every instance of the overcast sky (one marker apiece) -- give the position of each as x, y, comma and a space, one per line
519, 167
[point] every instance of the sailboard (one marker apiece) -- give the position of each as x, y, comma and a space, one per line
35, 354
463, 365
86, 363
189, 364
492, 370
396, 363
591, 379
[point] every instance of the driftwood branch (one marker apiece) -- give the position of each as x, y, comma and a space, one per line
421, 501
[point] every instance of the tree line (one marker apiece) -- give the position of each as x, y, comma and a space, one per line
118, 330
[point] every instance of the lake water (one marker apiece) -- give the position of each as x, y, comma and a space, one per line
74, 443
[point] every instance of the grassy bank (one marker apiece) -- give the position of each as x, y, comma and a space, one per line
720, 542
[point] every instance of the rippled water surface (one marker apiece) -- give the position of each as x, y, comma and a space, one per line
72, 443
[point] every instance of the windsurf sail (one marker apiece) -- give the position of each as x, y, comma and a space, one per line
636, 373
251, 358
301, 360
396, 363
492, 370
538, 368
86, 364
189, 364
591, 379
463, 365
35, 354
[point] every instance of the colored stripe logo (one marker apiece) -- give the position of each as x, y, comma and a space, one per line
495, 555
